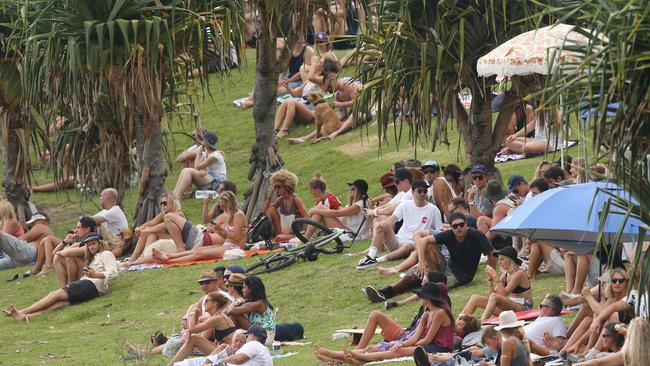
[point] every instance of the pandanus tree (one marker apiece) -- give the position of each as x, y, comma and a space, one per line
113, 69
613, 69
417, 54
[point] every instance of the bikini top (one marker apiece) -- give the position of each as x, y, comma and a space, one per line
517, 290
220, 334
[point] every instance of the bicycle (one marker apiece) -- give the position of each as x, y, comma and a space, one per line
308, 250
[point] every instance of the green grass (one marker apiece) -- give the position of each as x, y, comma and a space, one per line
323, 296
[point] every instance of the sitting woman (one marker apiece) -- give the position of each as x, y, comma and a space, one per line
210, 214
209, 168
227, 232
155, 228
296, 110
351, 217
434, 333
511, 291
615, 290
187, 157
101, 266
8, 222
257, 310
547, 136
206, 334
515, 349
287, 207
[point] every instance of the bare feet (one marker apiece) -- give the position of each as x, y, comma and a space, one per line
18, 315
45, 270
387, 271
505, 151
158, 256
281, 134
296, 141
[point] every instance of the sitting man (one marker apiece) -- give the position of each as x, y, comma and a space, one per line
554, 176
502, 205
69, 252
480, 205
253, 352
23, 249
548, 329
417, 214
462, 247
440, 191
111, 217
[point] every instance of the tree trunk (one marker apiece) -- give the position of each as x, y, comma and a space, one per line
153, 171
481, 132
16, 162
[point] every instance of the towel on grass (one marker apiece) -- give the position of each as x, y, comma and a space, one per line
499, 158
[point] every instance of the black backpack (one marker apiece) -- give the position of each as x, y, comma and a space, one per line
261, 229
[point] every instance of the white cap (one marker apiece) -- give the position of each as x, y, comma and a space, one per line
36, 218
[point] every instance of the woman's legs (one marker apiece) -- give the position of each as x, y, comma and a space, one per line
583, 313
475, 301
577, 334
196, 254
295, 112
571, 262
498, 303
379, 356
280, 115
273, 215
174, 224
52, 301
376, 318
331, 222
188, 177
582, 270
195, 341
40, 258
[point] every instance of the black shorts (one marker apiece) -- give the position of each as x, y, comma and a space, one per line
80, 291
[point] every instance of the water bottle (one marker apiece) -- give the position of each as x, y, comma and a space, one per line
275, 348
201, 194
340, 335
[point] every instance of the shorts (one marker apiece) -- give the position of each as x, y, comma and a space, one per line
214, 184
526, 303
555, 263
174, 343
392, 332
189, 235
17, 252
80, 291
434, 348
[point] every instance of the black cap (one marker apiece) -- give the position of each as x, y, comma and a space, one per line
403, 174
258, 332
361, 185
420, 183
92, 237
210, 139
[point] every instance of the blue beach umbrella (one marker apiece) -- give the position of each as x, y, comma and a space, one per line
569, 217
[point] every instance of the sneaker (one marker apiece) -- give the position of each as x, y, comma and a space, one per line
372, 294
391, 305
367, 262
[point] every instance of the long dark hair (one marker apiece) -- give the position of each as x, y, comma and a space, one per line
258, 291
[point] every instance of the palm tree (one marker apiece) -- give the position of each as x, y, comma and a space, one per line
614, 69
424, 53
113, 69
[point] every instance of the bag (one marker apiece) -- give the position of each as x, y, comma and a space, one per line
286, 332
261, 229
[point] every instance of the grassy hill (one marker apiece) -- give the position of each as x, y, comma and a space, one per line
323, 296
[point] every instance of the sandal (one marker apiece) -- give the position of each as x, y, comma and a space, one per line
158, 338
20, 276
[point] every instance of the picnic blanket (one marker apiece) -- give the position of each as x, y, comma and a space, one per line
521, 315
400, 359
138, 267
512, 157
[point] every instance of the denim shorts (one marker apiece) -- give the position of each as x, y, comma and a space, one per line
17, 252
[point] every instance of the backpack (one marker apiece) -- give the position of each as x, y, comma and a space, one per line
261, 229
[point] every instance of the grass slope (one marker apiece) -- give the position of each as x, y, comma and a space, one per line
323, 296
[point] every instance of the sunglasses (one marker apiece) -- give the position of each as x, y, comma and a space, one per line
163, 203
421, 190
619, 280
477, 177
541, 306
457, 226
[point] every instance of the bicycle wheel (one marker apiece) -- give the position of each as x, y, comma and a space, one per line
321, 237
271, 265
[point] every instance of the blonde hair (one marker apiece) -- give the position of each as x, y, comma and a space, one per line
581, 167
609, 291
317, 182
638, 340
231, 202
173, 200
537, 173
286, 179
6, 211
220, 299
519, 333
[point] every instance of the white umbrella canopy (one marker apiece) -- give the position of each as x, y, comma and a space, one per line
530, 52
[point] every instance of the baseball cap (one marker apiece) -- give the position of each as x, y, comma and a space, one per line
35, 218
479, 168
514, 181
430, 164
92, 237
361, 185
258, 332
386, 180
235, 268
321, 37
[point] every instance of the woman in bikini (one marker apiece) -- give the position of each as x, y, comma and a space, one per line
227, 232
205, 335
512, 291
287, 207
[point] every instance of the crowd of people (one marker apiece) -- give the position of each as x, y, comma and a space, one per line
432, 221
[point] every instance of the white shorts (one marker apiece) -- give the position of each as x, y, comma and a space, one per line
555, 263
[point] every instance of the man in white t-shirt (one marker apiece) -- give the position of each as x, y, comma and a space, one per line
548, 329
111, 218
253, 352
416, 214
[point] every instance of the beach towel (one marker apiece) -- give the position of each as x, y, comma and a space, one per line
521, 315
499, 158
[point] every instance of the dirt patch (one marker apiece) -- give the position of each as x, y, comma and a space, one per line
59, 212
357, 148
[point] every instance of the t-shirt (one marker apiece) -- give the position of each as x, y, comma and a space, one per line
354, 222
633, 299
258, 353
554, 325
116, 221
416, 218
464, 257
401, 196
483, 204
105, 263
330, 201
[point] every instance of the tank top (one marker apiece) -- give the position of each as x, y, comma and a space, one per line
295, 62
266, 319
217, 170
521, 357
444, 337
